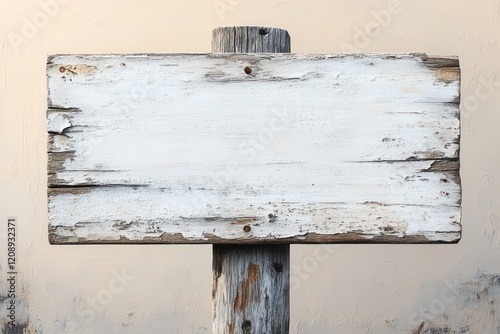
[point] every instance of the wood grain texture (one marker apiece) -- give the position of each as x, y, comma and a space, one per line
250, 40
251, 289
189, 148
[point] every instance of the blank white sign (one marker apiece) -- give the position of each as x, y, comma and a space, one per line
261, 148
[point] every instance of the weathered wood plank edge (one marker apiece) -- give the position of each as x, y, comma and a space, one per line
431, 61
309, 238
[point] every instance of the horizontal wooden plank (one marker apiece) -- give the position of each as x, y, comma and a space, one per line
397, 182
431, 132
271, 222
192, 147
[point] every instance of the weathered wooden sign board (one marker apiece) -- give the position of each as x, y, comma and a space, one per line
253, 148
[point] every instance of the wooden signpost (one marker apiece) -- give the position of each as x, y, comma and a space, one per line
252, 152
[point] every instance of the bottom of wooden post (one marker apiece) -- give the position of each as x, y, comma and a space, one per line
251, 289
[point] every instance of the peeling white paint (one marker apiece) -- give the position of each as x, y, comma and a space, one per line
303, 148
57, 123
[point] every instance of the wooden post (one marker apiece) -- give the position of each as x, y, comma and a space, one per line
251, 283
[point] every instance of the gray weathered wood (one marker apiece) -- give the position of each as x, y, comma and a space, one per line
251, 289
250, 40
251, 283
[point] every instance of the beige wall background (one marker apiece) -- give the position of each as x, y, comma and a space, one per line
167, 289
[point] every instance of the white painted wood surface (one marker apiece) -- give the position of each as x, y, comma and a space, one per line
188, 148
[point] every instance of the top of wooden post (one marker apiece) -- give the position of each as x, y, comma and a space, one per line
250, 40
